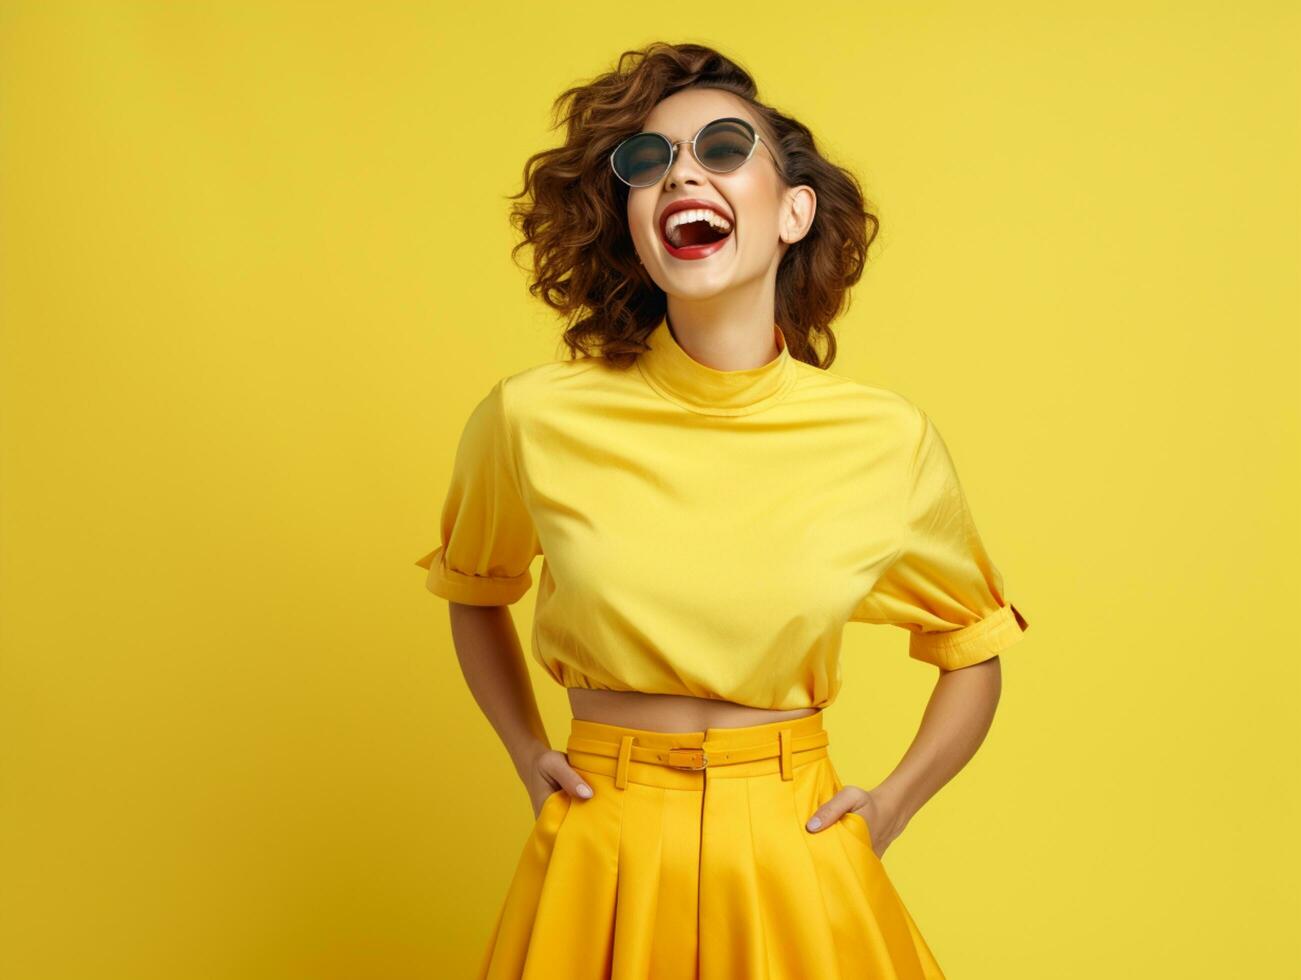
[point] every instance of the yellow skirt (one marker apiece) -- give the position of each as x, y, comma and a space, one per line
691, 861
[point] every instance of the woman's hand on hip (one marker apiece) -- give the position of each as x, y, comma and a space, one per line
883, 822
550, 772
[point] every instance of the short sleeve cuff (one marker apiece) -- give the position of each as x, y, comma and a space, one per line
951, 649
473, 590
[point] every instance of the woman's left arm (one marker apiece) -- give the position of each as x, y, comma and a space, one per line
955, 722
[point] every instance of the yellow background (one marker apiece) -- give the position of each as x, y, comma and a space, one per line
256, 273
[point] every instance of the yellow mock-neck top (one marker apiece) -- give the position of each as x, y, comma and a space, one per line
709, 532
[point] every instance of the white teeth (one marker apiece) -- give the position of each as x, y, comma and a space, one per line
680, 218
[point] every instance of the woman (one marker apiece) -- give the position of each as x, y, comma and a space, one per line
713, 506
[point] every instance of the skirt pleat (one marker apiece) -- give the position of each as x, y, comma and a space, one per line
702, 875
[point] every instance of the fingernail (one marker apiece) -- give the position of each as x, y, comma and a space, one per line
585, 791
815, 823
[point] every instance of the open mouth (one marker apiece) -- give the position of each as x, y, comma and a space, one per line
695, 233
698, 232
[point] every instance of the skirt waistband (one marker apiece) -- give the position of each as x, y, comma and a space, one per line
777, 746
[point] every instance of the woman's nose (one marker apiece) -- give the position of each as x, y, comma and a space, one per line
684, 167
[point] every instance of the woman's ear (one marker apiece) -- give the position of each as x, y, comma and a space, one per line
799, 204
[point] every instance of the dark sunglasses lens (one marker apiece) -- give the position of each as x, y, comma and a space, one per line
724, 145
642, 159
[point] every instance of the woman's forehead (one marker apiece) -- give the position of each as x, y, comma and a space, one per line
681, 115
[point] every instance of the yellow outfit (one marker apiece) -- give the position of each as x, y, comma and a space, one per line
711, 532
691, 862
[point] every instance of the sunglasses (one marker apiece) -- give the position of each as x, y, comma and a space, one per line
720, 146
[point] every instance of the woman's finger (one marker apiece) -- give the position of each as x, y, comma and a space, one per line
575, 784
831, 811
557, 770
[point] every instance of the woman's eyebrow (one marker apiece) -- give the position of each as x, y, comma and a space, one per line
684, 138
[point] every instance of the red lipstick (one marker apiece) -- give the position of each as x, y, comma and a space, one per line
693, 251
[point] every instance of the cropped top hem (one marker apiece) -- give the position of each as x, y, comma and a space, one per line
569, 679
972, 644
473, 590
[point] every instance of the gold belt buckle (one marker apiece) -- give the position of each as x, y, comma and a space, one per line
693, 755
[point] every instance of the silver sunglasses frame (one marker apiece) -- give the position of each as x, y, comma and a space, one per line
673, 149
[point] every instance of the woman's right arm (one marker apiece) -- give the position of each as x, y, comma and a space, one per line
492, 661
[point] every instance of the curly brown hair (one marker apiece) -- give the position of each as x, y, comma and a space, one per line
574, 213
